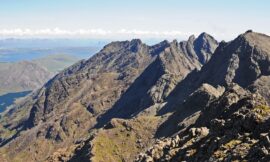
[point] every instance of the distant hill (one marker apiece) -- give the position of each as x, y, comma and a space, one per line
29, 75
18, 79
22, 76
56, 63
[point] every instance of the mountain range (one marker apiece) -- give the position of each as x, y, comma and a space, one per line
195, 100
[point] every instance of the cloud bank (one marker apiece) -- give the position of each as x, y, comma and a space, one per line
57, 32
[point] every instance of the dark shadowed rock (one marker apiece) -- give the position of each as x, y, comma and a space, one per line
237, 120
200, 48
228, 128
243, 61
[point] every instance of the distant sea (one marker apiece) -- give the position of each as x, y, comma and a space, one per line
12, 50
8, 99
23, 54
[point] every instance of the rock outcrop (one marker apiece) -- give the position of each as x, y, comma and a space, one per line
235, 123
244, 61
234, 126
200, 48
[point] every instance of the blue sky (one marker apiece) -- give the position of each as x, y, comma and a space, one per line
122, 19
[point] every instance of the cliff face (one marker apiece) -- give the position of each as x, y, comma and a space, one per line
244, 61
200, 48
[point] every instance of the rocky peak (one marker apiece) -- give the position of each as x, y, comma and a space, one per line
156, 49
200, 48
258, 40
205, 46
191, 38
136, 41
250, 53
206, 38
238, 62
175, 42
134, 45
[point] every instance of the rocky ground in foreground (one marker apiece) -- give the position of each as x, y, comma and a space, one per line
232, 127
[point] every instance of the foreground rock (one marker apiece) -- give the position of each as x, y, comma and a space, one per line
234, 126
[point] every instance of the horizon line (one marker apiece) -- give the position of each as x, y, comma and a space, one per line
99, 33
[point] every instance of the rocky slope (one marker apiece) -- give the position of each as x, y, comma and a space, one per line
212, 125
122, 80
200, 48
244, 61
218, 113
233, 126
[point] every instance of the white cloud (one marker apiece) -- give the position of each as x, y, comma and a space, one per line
57, 32
151, 33
51, 32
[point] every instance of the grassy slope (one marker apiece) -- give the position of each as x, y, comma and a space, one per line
125, 140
